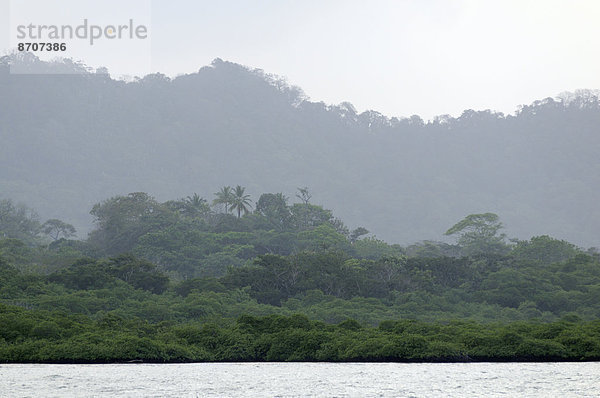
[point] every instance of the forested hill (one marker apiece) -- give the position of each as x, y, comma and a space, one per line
69, 141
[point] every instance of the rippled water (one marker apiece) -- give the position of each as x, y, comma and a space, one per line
302, 380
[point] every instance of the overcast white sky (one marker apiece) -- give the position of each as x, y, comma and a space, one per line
398, 57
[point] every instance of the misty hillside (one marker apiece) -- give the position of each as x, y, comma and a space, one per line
70, 141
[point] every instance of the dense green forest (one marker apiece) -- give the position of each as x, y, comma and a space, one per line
237, 278
91, 137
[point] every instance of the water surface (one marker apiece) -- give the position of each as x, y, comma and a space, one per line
302, 380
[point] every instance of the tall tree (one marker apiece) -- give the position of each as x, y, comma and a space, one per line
195, 206
54, 228
18, 222
479, 233
544, 250
273, 206
357, 233
121, 220
307, 216
240, 201
304, 195
224, 197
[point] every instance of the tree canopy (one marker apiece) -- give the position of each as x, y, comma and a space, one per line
479, 233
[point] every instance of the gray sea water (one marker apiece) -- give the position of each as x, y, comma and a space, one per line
303, 380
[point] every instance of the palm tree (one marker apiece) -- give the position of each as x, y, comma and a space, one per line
195, 205
240, 201
225, 197
195, 200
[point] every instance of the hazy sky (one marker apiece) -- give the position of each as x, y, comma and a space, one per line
397, 57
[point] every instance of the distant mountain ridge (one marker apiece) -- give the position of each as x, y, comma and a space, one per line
69, 141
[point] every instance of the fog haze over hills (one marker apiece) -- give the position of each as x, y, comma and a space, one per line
69, 142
